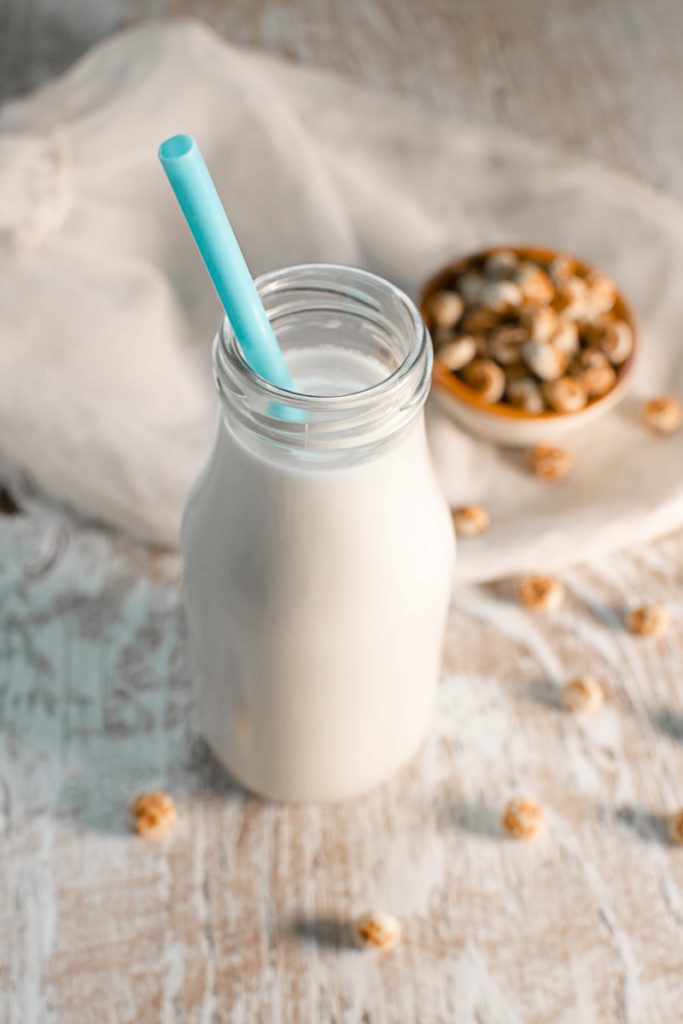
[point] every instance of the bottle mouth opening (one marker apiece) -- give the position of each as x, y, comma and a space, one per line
357, 348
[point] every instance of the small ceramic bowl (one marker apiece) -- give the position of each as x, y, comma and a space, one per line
502, 423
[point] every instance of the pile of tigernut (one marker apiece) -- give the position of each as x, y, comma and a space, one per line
541, 336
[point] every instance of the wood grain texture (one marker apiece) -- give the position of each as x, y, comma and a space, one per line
600, 77
242, 915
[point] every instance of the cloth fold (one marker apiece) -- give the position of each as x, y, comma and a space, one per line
107, 316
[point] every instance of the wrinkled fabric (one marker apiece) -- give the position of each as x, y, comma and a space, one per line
107, 315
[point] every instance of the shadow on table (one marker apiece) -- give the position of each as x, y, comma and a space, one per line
607, 614
667, 721
327, 932
99, 800
474, 819
543, 692
646, 825
207, 777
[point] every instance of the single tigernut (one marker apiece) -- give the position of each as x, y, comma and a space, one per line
663, 414
598, 382
548, 462
584, 693
478, 320
592, 367
524, 393
546, 361
602, 292
377, 930
502, 263
486, 378
572, 298
444, 308
649, 620
566, 337
589, 358
617, 341
522, 818
470, 520
540, 321
457, 353
594, 371
540, 593
536, 287
470, 285
505, 343
676, 828
567, 394
561, 268
153, 814
501, 296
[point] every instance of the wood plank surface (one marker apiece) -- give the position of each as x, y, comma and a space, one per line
243, 913
600, 77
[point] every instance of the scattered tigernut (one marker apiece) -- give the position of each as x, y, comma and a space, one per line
505, 343
536, 287
546, 361
522, 818
616, 341
676, 828
459, 352
567, 394
663, 414
540, 593
584, 693
649, 620
549, 462
524, 393
501, 263
377, 930
153, 814
470, 520
444, 308
486, 378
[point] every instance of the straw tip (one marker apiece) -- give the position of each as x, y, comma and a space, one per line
176, 147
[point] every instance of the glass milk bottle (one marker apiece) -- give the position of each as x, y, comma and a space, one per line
318, 547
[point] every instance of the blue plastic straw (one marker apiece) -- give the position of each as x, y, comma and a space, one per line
211, 230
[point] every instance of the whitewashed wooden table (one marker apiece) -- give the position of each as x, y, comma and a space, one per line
242, 914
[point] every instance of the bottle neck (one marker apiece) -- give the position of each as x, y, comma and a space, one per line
358, 351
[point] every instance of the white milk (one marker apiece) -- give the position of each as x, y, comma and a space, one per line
316, 599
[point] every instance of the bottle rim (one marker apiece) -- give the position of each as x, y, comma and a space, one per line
304, 420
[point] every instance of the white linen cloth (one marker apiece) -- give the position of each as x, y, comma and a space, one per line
106, 313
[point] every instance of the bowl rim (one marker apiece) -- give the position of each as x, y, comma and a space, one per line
447, 381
